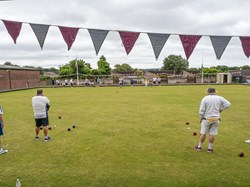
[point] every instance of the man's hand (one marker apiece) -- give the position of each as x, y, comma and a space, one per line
47, 107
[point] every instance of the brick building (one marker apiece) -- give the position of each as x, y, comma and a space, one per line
13, 77
240, 76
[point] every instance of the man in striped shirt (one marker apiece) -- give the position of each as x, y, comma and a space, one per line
41, 104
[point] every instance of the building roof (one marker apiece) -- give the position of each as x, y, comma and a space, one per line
50, 74
4, 67
160, 71
244, 73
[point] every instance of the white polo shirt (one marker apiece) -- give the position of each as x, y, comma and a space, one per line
212, 105
39, 104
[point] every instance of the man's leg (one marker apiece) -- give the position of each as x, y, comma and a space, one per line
45, 130
45, 126
203, 133
37, 131
37, 128
211, 140
202, 139
2, 150
1, 134
213, 132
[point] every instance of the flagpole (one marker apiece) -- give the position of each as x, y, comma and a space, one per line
202, 68
77, 77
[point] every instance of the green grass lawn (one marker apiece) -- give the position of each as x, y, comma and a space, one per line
131, 136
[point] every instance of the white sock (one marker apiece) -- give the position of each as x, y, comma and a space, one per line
200, 144
210, 146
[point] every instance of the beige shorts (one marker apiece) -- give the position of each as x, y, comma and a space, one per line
210, 126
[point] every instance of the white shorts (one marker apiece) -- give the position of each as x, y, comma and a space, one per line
209, 127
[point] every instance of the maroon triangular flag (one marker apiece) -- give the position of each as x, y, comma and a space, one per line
189, 42
128, 40
13, 28
69, 35
245, 42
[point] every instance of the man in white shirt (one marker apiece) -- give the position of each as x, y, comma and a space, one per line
121, 81
2, 150
71, 82
159, 80
154, 80
41, 104
210, 108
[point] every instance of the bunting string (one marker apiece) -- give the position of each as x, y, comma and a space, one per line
128, 38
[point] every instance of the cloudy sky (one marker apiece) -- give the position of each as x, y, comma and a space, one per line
207, 17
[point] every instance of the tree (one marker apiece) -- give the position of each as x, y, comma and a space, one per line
65, 70
103, 66
52, 69
209, 71
28, 66
123, 67
234, 68
83, 67
176, 63
10, 64
95, 72
221, 68
194, 69
246, 67
41, 70
70, 68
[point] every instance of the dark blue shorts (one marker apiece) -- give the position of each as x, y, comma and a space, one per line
42, 122
1, 129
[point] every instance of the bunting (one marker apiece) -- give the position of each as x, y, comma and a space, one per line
219, 43
40, 32
189, 42
158, 41
69, 35
13, 28
128, 40
245, 42
98, 37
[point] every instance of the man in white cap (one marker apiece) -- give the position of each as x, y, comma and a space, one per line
210, 108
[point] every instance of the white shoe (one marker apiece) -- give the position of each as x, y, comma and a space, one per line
2, 151
247, 141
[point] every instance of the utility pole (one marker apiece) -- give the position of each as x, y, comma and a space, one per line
202, 68
77, 77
